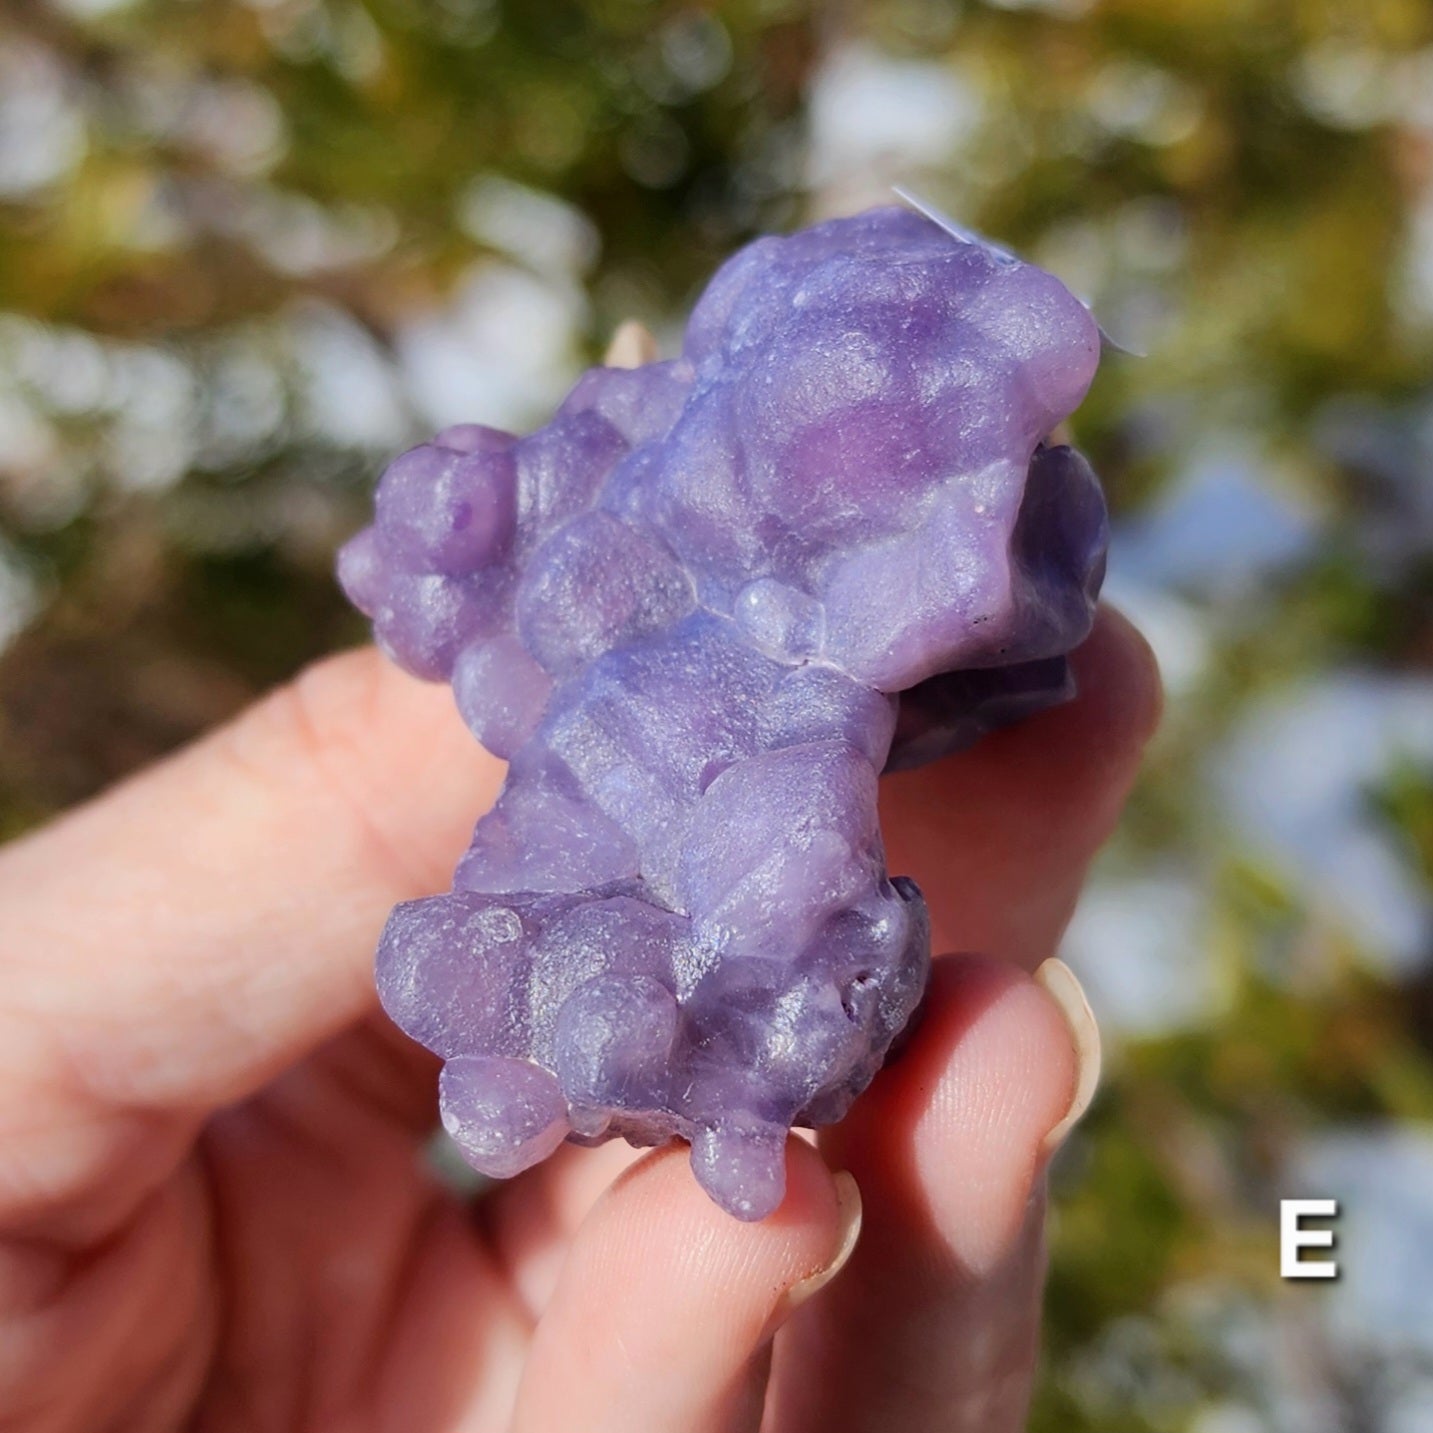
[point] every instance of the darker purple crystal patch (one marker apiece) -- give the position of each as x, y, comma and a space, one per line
699, 612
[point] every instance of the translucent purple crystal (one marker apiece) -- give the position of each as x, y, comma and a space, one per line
698, 612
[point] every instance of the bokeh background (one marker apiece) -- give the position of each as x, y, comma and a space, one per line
249, 248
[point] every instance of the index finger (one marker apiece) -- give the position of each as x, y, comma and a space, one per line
175, 943
999, 837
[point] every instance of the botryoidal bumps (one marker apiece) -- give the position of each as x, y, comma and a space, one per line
698, 613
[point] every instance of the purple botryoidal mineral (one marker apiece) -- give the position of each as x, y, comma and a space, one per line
698, 613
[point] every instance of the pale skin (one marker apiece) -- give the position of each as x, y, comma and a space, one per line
213, 1210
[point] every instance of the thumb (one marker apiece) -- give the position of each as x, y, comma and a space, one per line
935, 1323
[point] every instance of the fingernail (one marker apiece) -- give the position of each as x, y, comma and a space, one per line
1060, 984
632, 346
848, 1230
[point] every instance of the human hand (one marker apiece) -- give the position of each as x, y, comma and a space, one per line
214, 1211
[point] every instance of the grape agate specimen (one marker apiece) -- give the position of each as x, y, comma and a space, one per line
698, 613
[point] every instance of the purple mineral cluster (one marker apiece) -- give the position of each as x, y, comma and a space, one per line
698, 613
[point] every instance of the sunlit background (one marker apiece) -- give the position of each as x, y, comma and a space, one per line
249, 248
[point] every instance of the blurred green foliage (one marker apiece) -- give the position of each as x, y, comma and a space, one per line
197, 195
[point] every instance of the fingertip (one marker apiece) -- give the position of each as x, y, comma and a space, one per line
951, 1138
849, 1214
658, 1198
938, 1313
1118, 681
1009, 1077
1090, 746
1063, 987
665, 1299
998, 837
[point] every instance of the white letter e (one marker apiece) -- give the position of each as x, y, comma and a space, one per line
1292, 1238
